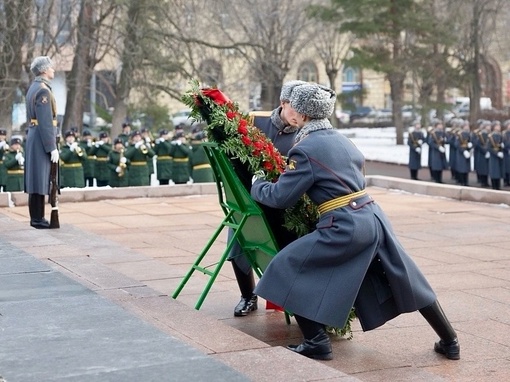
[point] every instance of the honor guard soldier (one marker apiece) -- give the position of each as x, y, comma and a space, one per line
506, 150
72, 157
41, 143
438, 161
4, 148
138, 153
353, 258
451, 137
163, 159
276, 126
118, 165
483, 154
126, 133
101, 149
14, 163
180, 152
201, 171
86, 144
149, 142
463, 152
497, 157
415, 142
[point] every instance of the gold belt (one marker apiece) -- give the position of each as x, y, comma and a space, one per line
15, 171
181, 159
138, 163
165, 158
35, 123
69, 165
201, 166
102, 159
339, 202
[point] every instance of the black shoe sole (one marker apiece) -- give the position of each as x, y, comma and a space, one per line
245, 312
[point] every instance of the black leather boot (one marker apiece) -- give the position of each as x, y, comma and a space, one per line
246, 282
317, 344
449, 343
36, 210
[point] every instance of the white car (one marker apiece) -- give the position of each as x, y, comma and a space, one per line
183, 116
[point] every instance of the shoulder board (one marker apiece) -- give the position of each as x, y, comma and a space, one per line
258, 113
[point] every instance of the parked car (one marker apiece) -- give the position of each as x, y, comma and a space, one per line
343, 116
361, 112
183, 116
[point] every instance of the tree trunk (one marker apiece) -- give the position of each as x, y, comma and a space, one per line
11, 56
79, 78
332, 74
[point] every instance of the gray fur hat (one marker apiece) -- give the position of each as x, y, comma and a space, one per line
287, 89
40, 65
312, 100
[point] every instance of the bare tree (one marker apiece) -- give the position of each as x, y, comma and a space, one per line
15, 29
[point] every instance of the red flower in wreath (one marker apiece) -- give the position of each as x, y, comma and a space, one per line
217, 96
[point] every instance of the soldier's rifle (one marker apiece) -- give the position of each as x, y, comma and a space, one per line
54, 190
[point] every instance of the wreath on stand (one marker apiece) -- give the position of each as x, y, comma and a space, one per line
251, 152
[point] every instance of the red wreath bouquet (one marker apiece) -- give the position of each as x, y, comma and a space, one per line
245, 143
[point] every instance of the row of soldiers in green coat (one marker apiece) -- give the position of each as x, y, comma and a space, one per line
12, 163
125, 162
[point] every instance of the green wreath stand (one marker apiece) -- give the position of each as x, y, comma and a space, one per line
244, 216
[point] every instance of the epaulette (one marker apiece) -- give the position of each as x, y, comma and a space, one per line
258, 113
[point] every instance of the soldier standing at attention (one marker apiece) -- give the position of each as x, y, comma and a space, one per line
163, 160
101, 150
138, 153
415, 141
149, 142
201, 171
41, 143
14, 163
495, 147
438, 161
463, 147
126, 133
180, 152
506, 150
86, 145
72, 157
118, 165
4, 148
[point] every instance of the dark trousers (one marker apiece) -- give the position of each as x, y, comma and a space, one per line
414, 174
164, 181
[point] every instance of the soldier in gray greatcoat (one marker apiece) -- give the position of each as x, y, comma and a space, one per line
463, 147
353, 258
438, 162
415, 142
41, 143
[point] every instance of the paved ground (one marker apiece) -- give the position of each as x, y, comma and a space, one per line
90, 301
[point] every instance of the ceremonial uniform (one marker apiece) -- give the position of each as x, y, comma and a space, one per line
163, 160
41, 142
4, 148
506, 150
201, 171
482, 158
353, 258
438, 161
118, 165
72, 157
138, 153
415, 142
86, 144
100, 150
496, 159
463, 147
180, 153
14, 163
